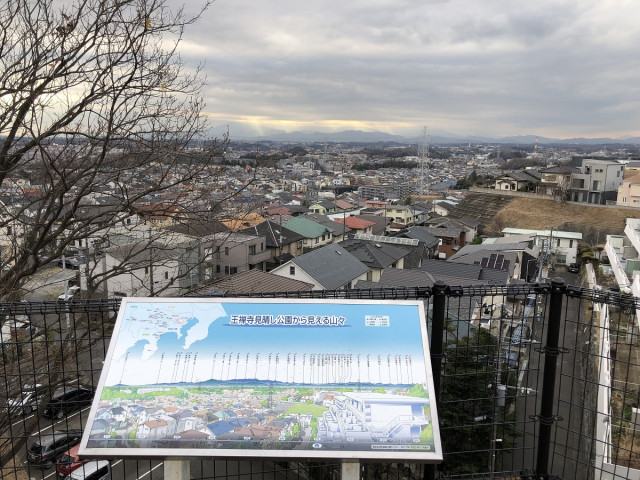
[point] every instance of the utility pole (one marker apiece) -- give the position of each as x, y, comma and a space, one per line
423, 154
151, 290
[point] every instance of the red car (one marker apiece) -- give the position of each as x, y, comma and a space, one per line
68, 462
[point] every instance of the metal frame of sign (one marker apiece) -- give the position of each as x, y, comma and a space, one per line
277, 378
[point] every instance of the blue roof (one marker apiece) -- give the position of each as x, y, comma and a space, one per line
218, 428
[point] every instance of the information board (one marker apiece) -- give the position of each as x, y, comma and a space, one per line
266, 378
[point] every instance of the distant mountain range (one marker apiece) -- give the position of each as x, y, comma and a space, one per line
438, 138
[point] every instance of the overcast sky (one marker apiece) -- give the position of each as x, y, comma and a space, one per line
555, 68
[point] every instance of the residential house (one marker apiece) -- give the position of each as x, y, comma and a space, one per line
284, 244
152, 429
394, 278
380, 223
314, 234
555, 181
520, 181
253, 281
243, 221
340, 231
561, 244
453, 273
443, 207
323, 207
357, 224
147, 269
159, 214
427, 245
377, 256
452, 237
230, 253
344, 205
598, 182
403, 216
629, 191
328, 268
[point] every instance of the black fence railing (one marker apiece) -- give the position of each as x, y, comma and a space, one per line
532, 381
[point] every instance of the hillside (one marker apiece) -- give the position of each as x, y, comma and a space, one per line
593, 221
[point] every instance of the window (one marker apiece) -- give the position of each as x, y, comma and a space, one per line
166, 275
226, 269
292, 270
570, 243
217, 268
597, 184
369, 276
323, 237
299, 244
146, 270
226, 251
252, 249
8, 230
233, 270
447, 241
261, 246
317, 240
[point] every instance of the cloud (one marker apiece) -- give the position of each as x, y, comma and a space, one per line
556, 68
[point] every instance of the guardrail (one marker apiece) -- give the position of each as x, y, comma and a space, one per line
526, 410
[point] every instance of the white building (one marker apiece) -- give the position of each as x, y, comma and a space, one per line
562, 245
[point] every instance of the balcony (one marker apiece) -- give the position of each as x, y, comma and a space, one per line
559, 401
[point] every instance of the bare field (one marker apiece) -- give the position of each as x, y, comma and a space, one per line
542, 214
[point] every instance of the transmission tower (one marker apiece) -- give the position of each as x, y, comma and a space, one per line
423, 154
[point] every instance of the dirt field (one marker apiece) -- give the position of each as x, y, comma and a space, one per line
542, 214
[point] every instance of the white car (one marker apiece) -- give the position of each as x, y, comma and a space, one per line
14, 329
27, 401
69, 295
93, 470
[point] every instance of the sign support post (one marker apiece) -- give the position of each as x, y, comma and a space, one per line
177, 469
350, 470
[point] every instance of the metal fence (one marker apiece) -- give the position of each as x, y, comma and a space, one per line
532, 381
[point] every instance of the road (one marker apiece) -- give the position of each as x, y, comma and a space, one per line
48, 283
570, 451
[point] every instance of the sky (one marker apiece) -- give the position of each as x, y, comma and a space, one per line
553, 68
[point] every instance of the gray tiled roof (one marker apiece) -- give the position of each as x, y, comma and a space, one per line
406, 278
276, 235
501, 247
253, 281
454, 273
422, 234
331, 266
373, 254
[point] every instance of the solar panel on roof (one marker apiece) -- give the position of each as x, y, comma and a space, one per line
499, 262
484, 262
492, 260
505, 265
383, 239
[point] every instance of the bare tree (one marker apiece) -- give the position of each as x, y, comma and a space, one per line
100, 123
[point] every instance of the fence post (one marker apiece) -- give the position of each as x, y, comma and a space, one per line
439, 292
551, 352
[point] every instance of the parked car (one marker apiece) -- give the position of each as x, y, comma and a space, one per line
71, 263
17, 330
71, 291
27, 401
46, 450
92, 470
69, 461
67, 399
573, 268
